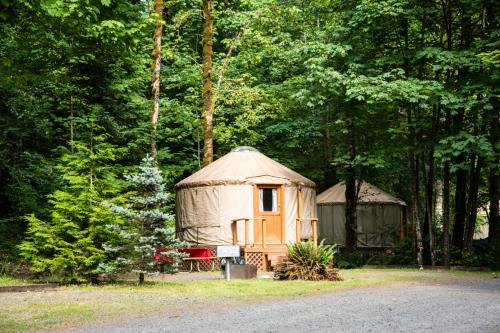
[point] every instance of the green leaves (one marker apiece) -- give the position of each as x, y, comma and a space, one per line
67, 244
307, 261
464, 144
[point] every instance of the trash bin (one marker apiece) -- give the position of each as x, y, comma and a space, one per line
242, 271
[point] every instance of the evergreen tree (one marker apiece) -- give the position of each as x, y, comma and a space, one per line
146, 236
68, 244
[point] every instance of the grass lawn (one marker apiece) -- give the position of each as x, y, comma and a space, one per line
6, 281
78, 305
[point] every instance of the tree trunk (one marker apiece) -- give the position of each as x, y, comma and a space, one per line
446, 214
493, 189
429, 188
416, 212
472, 203
207, 94
351, 226
429, 207
141, 278
330, 177
494, 216
446, 202
460, 191
155, 84
414, 167
460, 209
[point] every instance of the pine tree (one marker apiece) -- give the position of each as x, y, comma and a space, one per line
146, 230
69, 244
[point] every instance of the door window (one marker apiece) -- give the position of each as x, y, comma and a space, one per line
268, 200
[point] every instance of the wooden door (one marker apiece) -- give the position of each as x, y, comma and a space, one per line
268, 205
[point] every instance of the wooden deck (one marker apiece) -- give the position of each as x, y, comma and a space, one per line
260, 252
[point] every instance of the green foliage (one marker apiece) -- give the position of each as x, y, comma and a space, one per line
480, 256
299, 74
306, 261
353, 260
145, 229
68, 244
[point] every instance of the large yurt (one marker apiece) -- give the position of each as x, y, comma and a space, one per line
243, 184
380, 216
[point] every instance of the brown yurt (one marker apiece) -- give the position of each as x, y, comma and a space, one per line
227, 201
379, 216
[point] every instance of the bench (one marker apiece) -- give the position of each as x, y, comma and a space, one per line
196, 260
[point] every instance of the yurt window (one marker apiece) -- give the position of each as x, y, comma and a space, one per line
268, 200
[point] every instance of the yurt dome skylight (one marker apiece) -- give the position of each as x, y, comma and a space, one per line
244, 149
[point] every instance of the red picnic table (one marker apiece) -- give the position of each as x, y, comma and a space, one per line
196, 254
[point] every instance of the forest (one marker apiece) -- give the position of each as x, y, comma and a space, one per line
403, 94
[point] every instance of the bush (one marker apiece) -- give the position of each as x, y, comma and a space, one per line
480, 256
353, 260
308, 262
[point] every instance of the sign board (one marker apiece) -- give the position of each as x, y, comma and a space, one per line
226, 251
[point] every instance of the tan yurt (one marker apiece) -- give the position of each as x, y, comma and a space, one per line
245, 198
380, 216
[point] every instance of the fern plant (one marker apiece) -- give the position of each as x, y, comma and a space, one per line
306, 261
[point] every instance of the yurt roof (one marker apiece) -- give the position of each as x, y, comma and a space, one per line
244, 165
368, 194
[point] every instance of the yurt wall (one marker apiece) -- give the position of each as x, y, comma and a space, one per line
233, 187
331, 225
206, 212
378, 224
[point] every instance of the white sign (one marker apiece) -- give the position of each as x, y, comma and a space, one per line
226, 251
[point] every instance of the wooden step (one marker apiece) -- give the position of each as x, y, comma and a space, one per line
271, 254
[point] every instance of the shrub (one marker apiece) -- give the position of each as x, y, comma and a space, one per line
308, 262
354, 260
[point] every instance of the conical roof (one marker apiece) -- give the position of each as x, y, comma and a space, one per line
244, 165
368, 193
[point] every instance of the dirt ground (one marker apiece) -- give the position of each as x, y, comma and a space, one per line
461, 304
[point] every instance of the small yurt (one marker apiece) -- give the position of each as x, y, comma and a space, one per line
379, 216
243, 184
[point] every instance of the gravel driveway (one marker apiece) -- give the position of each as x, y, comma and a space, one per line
469, 305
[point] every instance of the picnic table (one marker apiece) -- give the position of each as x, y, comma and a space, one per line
197, 254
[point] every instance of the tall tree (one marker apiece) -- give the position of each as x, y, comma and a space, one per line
146, 236
155, 84
68, 244
446, 203
207, 93
69, 86
351, 193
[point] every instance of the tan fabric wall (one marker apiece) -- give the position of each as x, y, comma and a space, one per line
237, 202
204, 214
378, 225
199, 207
309, 211
290, 213
331, 225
